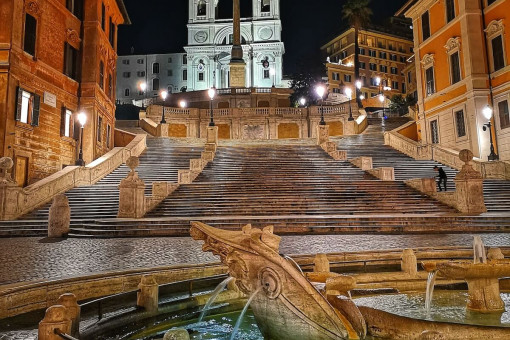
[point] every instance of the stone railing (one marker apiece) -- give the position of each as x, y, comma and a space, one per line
149, 126
407, 146
17, 201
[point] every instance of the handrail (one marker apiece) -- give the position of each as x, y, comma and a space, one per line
63, 335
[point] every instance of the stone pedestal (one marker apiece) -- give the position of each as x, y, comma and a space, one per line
148, 295
207, 156
162, 130
469, 187
350, 128
495, 254
132, 193
238, 74
212, 135
484, 295
186, 176
364, 163
59, 217
73, 311
163, 189
409, 263
322, 134
384, 174
197, 165
55, 318
321, 263
9, 191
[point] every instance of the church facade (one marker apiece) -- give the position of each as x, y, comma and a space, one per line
210, 44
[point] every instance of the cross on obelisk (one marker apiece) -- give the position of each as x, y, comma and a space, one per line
237, 64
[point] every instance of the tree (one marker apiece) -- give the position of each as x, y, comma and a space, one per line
303, 86
358, 14
400, 104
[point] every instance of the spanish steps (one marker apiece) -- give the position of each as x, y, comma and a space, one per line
293, 185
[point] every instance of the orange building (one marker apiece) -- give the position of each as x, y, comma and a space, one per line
57, 58
383, 55
462, 67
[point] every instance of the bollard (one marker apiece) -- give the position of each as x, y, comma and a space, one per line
59, 217
73, 311
54, 318
409, 263
148, 295
321, 263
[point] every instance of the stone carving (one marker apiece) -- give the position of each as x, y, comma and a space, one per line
70, 302
253, 132
132, 192
73, 37
469, 186
54, 318
427, 60
283, 293
6, 164
452, 44
59, 217
33, 8
148, 294
494, 27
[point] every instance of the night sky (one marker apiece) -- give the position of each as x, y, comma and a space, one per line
159, 26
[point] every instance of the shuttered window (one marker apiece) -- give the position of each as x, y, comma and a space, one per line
66, 123
28, 107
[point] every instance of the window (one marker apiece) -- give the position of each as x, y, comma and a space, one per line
139, 61
266, 74
393, 57
30, 34
403, 59
66, 122
373, 82
170, 73
70, 62
140, 73
460, 124
170, 89
111, 33
75, 7
200, 76
382, 55
125, 61
362, 65
404, 88
383, 68
127, 93
336, 90
101, 74
373, 67
434, 132
336, 76
450, 10
184, 74
504, 115
99, 128
409, 77
425, 26
362, 51
455, 67
394, 85
155, 84
201, 8
108, 135
265, 6
372, 53
498, 57
110, 85
347, 78
103, 17
28, 107
170, 60
155, 68
126, 74
429, 80
394, 70
490, 2
184, 59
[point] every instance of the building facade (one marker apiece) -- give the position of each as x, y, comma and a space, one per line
159, 72
462, 67
210, 44
382, 55
57, 58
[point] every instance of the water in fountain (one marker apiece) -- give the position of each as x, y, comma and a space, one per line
213, 297
430, 290
294, 262
479, 255
238, 323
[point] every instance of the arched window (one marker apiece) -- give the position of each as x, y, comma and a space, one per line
155, 84
127, 93
155, 68
201, 8
265, 6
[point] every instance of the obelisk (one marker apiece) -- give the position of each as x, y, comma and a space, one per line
237, 64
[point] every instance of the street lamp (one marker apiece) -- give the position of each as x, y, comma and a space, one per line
164, 95
382, 99
378, 81
348, 93
487, 113
82, 119
211, 93
143, 87
321, 90
183, 104
302, 101
358, 84
361, 97
272, 72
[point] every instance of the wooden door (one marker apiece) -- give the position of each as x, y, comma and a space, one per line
21, 171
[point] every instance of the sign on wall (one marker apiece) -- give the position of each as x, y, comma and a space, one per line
50, 99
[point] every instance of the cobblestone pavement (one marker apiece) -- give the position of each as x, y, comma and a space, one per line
27, 259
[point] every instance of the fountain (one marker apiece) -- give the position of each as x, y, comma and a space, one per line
213, 297
287, 305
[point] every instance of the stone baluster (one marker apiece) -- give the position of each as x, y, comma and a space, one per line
9, 191
469, 187
56, 318
73, 311
148, 294
59, 217
132, 193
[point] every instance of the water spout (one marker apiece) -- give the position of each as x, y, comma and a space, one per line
288, 258
213, 297
240, 319
430, 290
479, 254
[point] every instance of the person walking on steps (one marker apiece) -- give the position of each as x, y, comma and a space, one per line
442, 178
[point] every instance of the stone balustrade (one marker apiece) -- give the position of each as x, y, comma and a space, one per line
328, 146
364, 163
16, 201
384, 174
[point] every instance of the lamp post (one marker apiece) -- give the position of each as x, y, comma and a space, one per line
82, 119
487, 113
272, 72
143, 88
348, 93
302, 101
358, 91
183, 104
164, 95
381, 99
212, 93
321, 90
